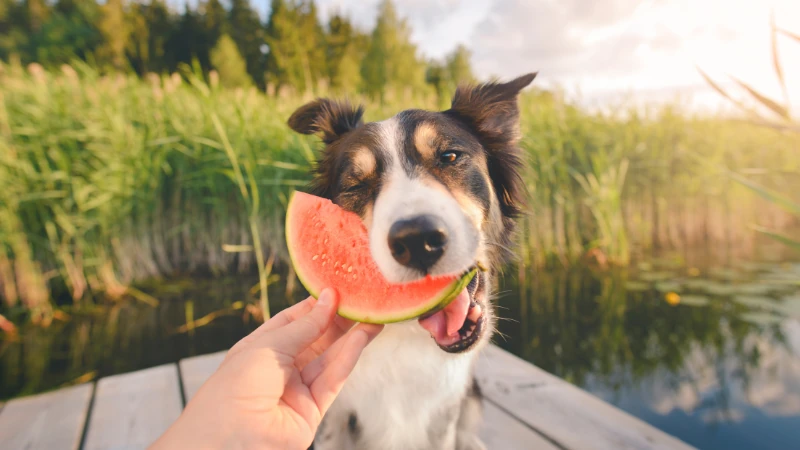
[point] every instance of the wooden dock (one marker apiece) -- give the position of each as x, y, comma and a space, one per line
524, 408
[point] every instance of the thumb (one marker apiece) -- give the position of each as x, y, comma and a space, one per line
304, 331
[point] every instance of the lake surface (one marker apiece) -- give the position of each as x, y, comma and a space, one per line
711, 356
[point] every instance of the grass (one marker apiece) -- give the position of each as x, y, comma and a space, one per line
763, 111
110, 180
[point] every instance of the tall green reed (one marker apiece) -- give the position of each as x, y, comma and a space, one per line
107, 180
763, 111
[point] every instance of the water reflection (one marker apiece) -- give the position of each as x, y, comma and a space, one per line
711, 356
127, 336
719, 370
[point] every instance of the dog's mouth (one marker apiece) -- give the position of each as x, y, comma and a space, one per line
459, 325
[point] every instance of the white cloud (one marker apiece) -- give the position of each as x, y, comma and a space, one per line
437, 26
648, 49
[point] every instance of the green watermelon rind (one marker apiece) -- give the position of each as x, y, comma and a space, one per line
436, 303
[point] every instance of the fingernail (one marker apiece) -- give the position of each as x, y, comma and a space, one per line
325, 298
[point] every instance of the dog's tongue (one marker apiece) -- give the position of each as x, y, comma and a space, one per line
444, 324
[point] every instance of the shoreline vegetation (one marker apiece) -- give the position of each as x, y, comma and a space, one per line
142, 141
111, 179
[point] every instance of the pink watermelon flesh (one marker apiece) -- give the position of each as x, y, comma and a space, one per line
329, 247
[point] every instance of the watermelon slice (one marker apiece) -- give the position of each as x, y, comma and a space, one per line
329, 247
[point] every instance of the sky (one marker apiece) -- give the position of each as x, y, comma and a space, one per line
609, 50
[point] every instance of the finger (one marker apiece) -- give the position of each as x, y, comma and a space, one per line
338, 329
329, 382
297, 396
289, 315
318, 365
283, 318
303, 331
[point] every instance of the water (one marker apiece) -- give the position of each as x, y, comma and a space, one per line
717, 365
711, 356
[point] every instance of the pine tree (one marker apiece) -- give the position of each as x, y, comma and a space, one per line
36, 14
438, 77
69, 32
116, 33
14, 34
344, 52
183, 45
391, 65
246, 31
138, 48
313, 57
161, 24
230, 65
213, 23
445, 77
285, 65
459, 68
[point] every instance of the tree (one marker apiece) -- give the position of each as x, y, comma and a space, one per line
285, 58
247, 32
445, 77
67, 32
115, 31
13, 37
213, 24
344, 51
138, 49
183, 45
437, 76
161, 25
313, 40
230, 65
36, 14
459, 69
391, 64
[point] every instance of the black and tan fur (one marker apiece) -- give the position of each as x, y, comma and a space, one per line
467, 156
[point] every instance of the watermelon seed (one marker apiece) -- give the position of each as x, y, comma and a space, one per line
323, 263
314, 258
325, 241
336, 273
350, 269
335, 264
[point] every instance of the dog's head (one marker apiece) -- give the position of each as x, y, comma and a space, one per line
437, 191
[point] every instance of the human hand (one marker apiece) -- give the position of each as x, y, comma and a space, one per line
274, 386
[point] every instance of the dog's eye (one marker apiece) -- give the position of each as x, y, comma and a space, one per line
354, 188
449, 157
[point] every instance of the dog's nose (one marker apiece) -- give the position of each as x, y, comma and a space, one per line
418, 242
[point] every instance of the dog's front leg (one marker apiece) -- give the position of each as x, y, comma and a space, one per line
469, 420
335, 432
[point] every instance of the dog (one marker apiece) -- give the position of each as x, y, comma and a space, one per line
439, 193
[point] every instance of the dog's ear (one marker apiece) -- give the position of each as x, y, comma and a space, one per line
329, 118
490, 110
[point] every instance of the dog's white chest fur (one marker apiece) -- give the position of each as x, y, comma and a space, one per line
396, 392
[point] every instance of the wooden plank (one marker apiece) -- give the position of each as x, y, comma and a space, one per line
132, 410
196, 370
500, 431
53, 420
568, 415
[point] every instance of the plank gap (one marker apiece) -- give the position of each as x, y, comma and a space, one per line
181, 389
88, 416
